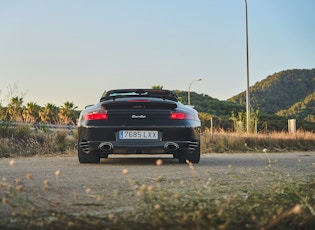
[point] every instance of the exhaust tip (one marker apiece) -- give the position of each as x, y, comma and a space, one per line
106, 146
171, 146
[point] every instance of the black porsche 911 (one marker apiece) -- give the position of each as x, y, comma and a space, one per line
136, 121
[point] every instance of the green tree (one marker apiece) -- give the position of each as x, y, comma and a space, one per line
205, 119
239, 121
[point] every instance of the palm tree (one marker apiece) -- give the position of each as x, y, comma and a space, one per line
15, 108
49, 113
31, 112
67, 113
157, 87
3, 113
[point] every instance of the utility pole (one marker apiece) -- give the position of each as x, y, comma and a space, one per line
247, 77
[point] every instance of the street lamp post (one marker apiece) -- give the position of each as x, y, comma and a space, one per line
197, 79
247, 76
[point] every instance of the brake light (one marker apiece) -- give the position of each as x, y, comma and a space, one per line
177, 116
96, 116
181, 116
138, 100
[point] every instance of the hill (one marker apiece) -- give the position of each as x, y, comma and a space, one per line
288, 91
208, 107
283, 95
207, 104
302, 110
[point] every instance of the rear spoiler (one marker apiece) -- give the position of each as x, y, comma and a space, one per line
155, 93
139, 104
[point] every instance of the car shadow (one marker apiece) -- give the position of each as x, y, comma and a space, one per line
138, 160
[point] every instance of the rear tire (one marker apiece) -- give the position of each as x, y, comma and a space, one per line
182, 156
193, 157
93, 157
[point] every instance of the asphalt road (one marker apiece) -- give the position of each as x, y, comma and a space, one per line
98, 189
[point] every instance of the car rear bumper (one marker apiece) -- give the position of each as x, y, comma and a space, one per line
110, 147
170, 140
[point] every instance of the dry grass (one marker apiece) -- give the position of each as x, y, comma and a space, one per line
222, 141
23, 141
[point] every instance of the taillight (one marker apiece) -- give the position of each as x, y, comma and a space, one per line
180, 116
95, 116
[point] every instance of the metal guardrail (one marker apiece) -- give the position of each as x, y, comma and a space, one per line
37, 126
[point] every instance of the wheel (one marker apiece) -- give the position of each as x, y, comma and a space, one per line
182, 156
93, 157
193, 157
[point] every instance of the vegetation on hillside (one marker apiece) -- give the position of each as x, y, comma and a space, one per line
285, 95
207, 104
279, 91
211, 108
302, 110
226, 114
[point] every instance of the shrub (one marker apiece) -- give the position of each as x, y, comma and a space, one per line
5, 130
22, 132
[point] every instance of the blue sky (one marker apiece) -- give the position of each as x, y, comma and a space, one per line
72, 50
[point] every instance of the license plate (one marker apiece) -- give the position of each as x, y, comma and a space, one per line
138, 134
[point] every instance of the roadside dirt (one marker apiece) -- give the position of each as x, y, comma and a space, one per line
61, 183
